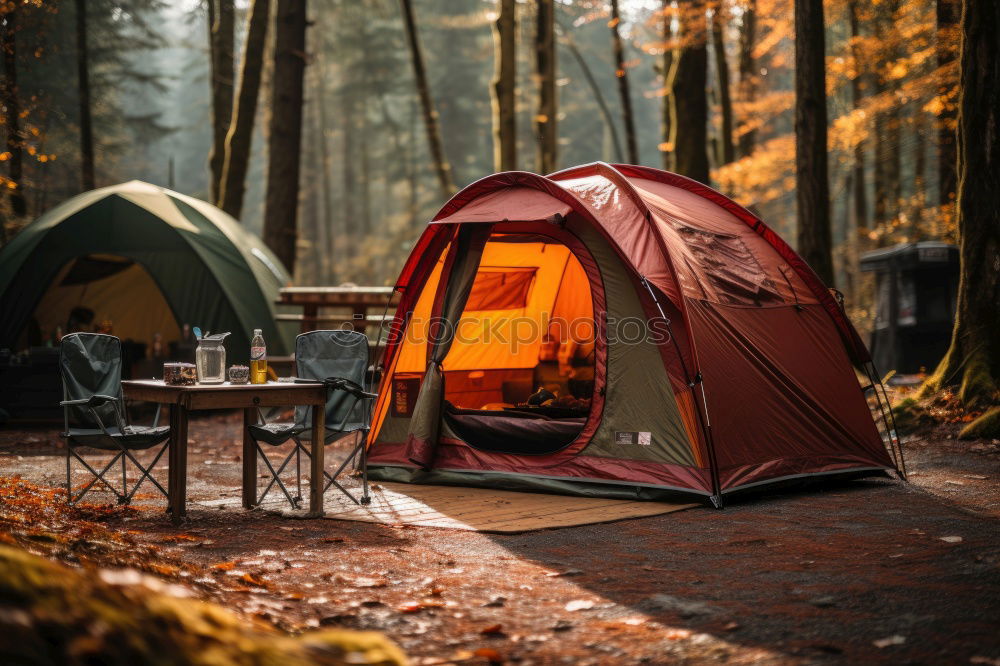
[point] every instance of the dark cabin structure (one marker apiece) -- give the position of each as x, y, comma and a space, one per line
916, 285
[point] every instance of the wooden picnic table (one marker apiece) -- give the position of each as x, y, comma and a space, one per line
248, 397
358, 300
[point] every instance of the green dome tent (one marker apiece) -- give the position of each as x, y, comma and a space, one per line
146, 258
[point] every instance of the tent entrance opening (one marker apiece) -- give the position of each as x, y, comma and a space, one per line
519, 376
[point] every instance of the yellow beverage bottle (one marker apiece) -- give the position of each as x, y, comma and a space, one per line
258, 358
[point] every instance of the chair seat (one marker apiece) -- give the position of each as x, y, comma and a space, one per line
134, 437
274, 434
277, 434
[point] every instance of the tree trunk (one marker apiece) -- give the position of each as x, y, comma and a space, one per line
860, 193
504, 87
285, 139
919, 175
669, 67
748, 74
349, 181
12, 115
888, 187
690, 118
412, 171
362, 94
83, 81
728, 151
545, 70
445, 179
327, 239
220, 39
947, 21
240, 135
973, 360
595, 88
623, 92
812, 187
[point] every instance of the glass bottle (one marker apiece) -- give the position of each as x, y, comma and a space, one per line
258, 358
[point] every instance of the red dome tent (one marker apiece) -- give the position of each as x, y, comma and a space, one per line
682, 346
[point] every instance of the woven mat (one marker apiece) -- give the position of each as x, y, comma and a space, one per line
486, 510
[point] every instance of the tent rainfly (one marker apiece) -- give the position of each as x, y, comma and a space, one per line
147, 258
619, 331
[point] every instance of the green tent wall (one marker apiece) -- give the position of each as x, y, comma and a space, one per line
212, 272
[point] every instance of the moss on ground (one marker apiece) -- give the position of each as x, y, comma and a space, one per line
52, 614
986, 426
911, 416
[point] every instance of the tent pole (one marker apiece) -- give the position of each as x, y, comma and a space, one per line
704, 421
379, 355
888, 419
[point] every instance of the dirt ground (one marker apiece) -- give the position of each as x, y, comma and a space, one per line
857, 572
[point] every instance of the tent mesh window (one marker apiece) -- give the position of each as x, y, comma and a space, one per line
500, 288
731, 268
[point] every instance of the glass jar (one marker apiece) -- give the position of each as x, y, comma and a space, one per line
210, 359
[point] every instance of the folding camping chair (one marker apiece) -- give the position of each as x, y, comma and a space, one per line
339, 359
94, 413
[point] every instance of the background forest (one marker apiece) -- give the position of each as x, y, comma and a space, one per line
368, 178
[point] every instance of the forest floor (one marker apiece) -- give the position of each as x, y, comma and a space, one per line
867, 571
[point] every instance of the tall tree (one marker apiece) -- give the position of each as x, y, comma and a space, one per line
445, 179
623, 92
240, 134
690, 116
545, 71
947, 16
888, 124
327, 238
815, 243
12, 114
220, 37
858, 185
285, 139
727, 149
973, 359
748, 73
595, 89
504, 87
83, 81
668, 71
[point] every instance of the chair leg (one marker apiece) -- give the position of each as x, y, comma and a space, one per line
98, 476
147, 473
124, 499
298, 473
275, 477
365, 496
69, 481
332, 479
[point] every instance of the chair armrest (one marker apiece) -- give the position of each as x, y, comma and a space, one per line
346, 385
95, 400
340, 384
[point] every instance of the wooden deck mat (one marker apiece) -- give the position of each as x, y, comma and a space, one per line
486, 510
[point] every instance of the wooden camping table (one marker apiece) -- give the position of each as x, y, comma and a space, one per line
356, 299
248, 397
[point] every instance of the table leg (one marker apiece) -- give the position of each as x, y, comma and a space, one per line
172, 463
249, 462
178, 463
316, 479
182, 470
